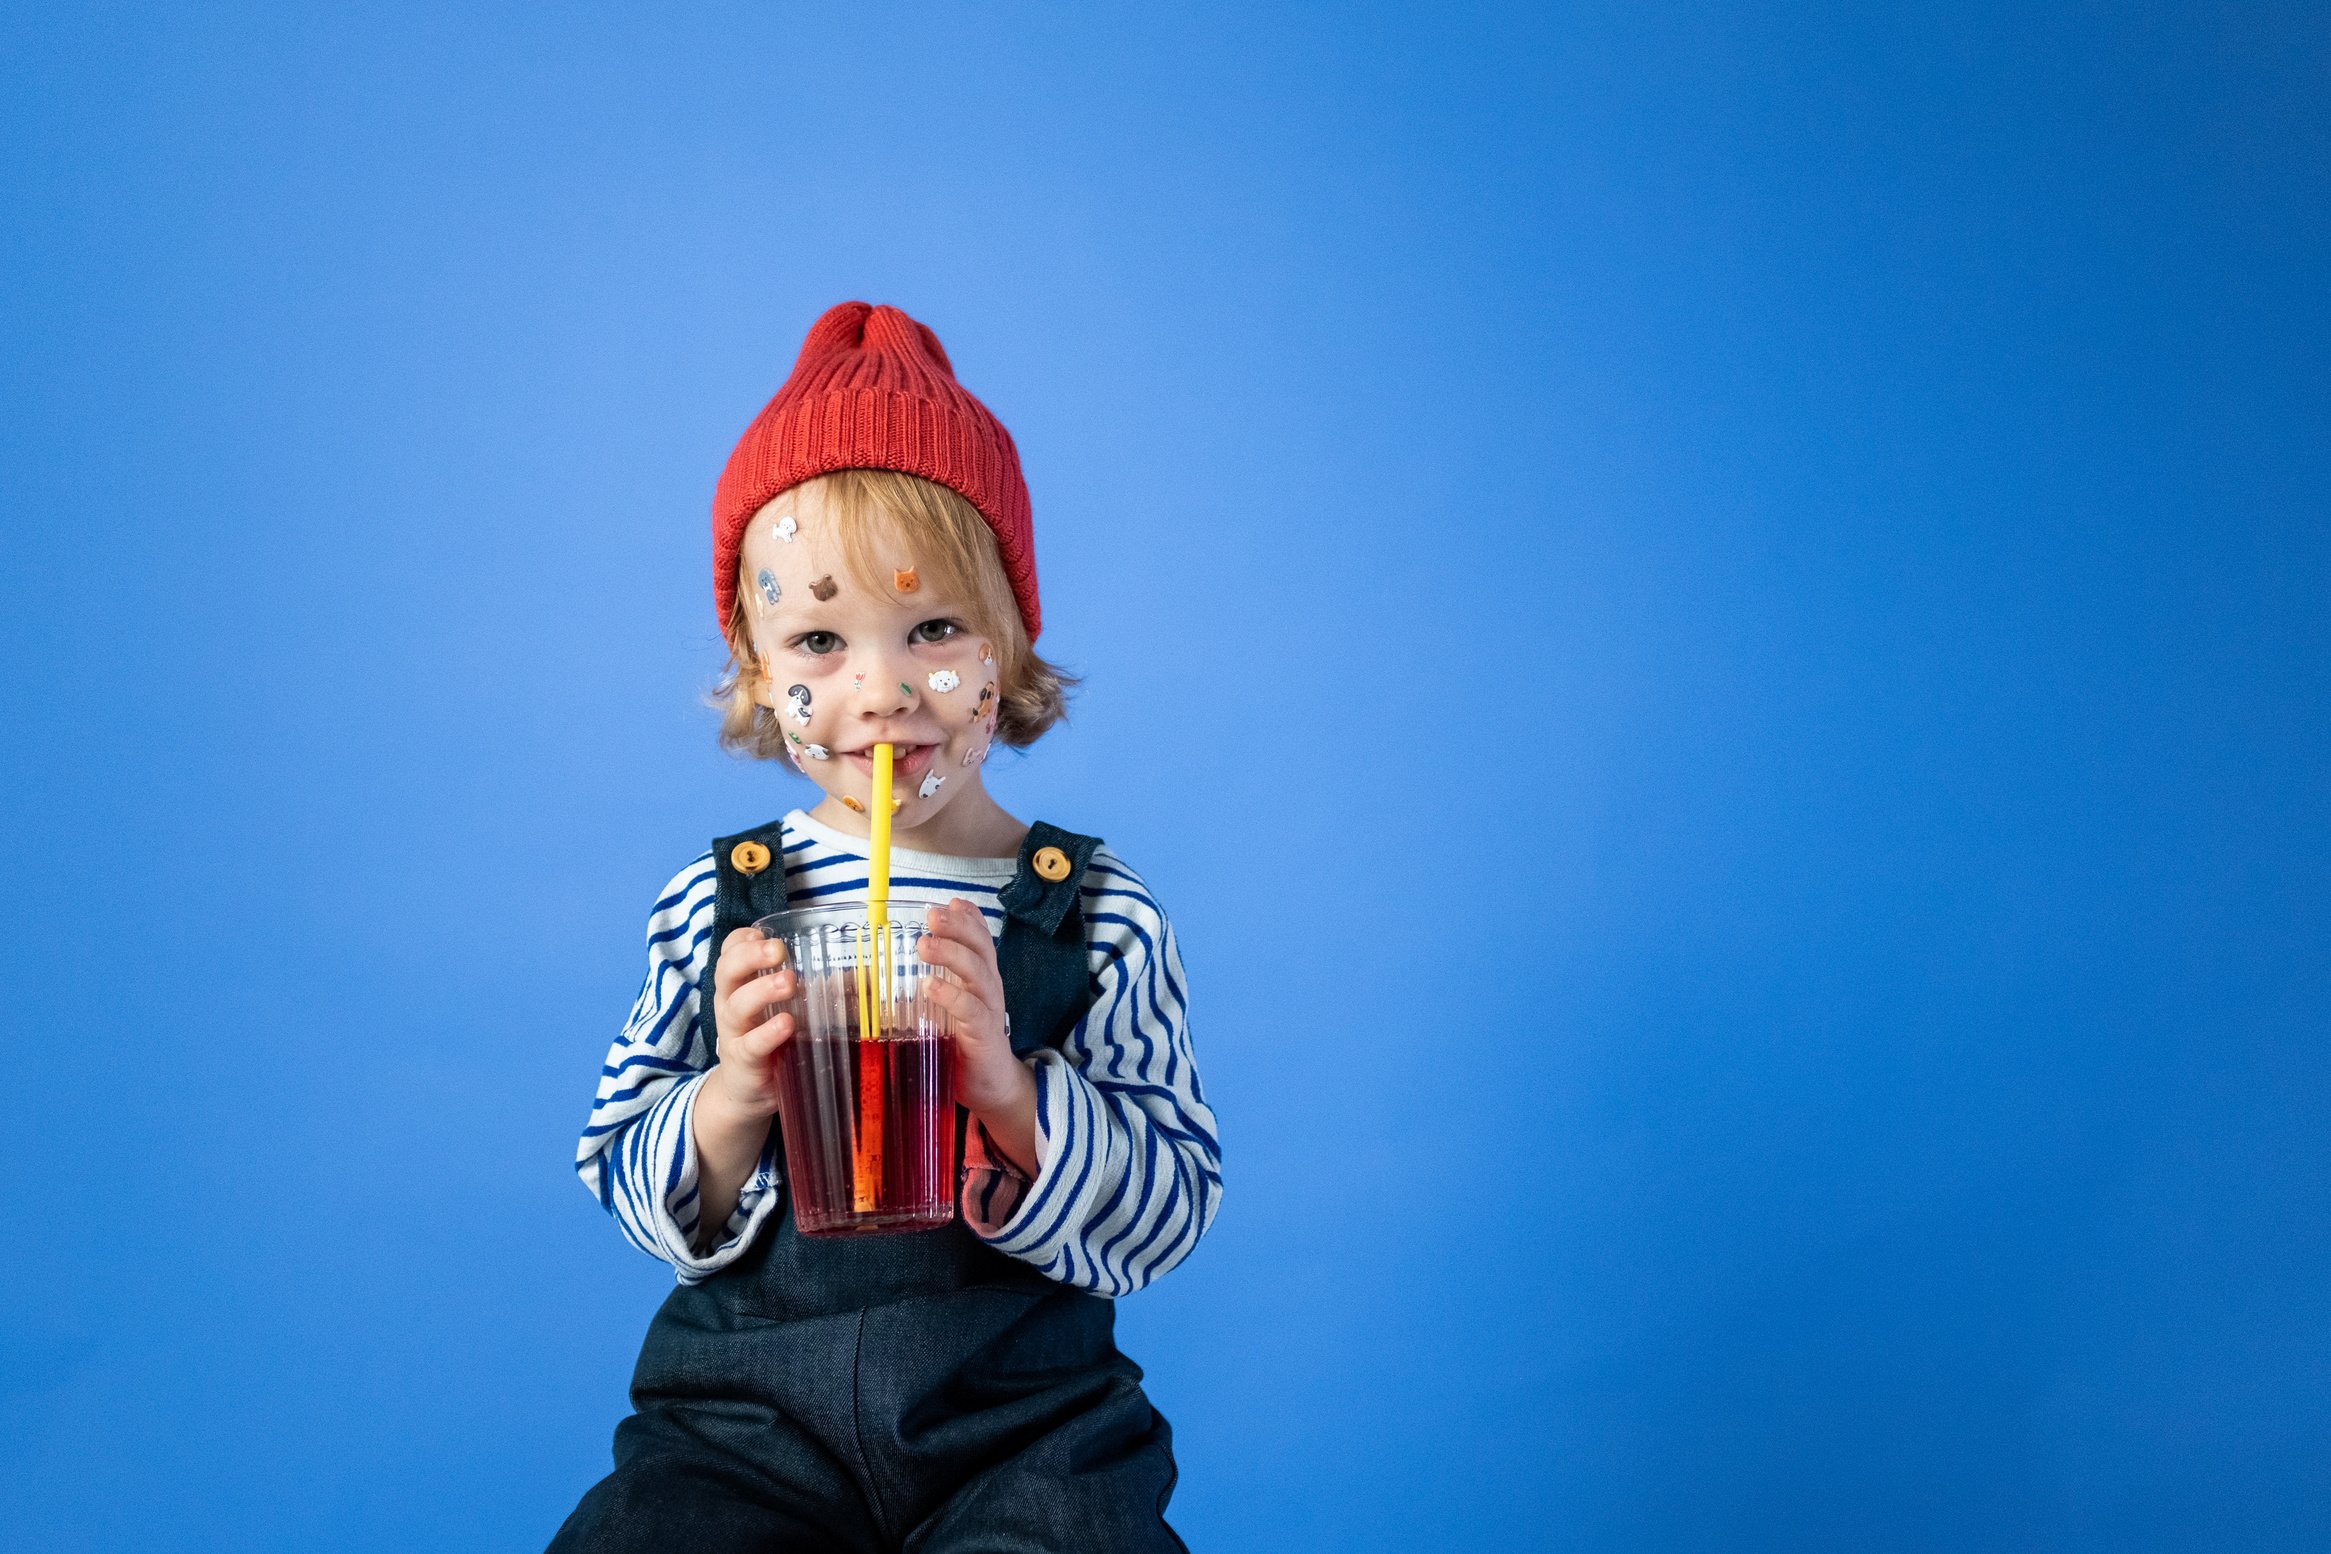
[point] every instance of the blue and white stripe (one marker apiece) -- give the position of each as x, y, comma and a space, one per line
1128, 1173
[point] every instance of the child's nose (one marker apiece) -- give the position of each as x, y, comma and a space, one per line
885, 687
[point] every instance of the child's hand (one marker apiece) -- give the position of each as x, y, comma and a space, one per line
749, 1027
989, 1081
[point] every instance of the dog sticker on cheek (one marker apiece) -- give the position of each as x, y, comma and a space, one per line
931, 781
983, 713
824, 588
797, 702
945, 680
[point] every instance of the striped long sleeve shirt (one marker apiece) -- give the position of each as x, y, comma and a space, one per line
1128, 1173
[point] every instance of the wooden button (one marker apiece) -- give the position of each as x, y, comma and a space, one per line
1051, 862
749, 857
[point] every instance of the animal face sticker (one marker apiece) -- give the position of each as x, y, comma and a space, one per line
905, 581
931, 781
824, 588
987, 657
816, 752
985, 710
944, 680
797, 702
770, 592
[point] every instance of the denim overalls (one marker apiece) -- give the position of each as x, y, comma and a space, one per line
917, 1392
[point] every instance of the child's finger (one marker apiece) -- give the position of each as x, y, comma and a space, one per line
966, 962
749, 1003
755, 1045
760, 987
960, 921
745, 954
966, 1006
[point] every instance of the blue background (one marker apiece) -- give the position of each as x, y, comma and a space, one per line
1716, 624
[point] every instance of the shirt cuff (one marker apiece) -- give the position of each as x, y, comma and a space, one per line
1048, 1215
993, 1186
756, 1200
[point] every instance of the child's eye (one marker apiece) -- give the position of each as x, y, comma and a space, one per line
935, 631
818, 643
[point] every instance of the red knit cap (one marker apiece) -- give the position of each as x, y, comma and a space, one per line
873, 390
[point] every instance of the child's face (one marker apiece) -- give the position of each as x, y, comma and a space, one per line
846, 667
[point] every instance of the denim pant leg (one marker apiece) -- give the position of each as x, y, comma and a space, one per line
680, 1482
1097, 1484
1028, 1430
744, 1439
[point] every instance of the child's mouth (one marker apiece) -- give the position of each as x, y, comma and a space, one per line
906, 761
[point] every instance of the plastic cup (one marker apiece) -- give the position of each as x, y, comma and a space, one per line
868, 1116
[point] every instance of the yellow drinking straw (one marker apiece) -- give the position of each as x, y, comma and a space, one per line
878, 865
873, 991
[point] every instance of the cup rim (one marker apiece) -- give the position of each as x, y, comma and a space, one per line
853, 912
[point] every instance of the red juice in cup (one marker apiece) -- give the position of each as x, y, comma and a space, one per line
866, 1107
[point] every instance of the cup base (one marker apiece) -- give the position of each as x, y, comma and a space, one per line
872, 1224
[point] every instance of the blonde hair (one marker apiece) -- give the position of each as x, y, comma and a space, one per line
955, 553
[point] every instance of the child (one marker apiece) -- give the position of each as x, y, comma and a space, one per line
954, 1388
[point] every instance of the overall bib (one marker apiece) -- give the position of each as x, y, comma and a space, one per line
919, 1392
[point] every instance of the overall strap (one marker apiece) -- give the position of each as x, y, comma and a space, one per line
1048, 983
751, 873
